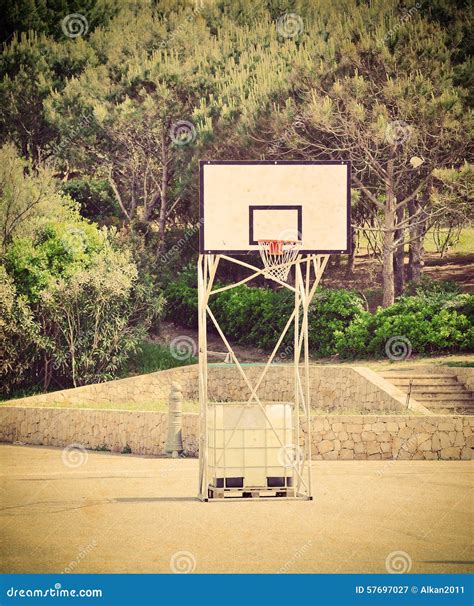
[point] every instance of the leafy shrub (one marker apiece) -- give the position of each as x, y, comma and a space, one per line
87, 306
330, 312
428, 286
433, 323
257, 316
182, 299
18, 335
94, 196
436, 319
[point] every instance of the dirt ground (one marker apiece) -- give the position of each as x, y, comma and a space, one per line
367, 274
111, 513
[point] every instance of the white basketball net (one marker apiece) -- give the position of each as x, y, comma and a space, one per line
277, 256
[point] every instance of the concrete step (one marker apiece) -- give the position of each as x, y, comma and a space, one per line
447, 410
406, 381
454, 389
450, 410
444, 397
391, 374
443, 400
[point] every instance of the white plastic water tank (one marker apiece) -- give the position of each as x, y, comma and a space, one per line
248, 446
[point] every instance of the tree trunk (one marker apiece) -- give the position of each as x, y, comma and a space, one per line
352, 255
416, 250
164, 197
399, 256
388, 241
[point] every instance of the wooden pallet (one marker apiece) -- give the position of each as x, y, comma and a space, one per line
253, 492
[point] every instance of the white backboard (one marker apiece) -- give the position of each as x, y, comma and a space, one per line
246, 201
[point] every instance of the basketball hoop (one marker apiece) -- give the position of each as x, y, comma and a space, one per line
277, 256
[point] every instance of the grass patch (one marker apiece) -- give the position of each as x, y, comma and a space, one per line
161, 406
151, 357
193, 406
464, 246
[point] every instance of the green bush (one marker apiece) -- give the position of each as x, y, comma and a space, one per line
437, 322
86, 305
331, 312
257, 316
19, 335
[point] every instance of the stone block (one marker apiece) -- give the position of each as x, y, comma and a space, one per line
451, 453
326, 446
444, 439
346, 454
466, 454
426, 445
405, 433
447, 426
354, 428
435, 442
372, 447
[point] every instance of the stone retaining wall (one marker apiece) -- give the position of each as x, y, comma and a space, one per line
332, 388
333, 436
392, 437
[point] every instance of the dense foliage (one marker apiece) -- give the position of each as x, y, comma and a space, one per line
99, 181
257, 316
73, 303
435, 318
431, 324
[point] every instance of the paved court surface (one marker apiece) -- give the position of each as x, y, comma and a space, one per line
119, 513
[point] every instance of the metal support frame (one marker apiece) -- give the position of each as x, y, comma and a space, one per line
304, 290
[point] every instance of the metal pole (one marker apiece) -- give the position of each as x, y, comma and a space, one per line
174, 443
